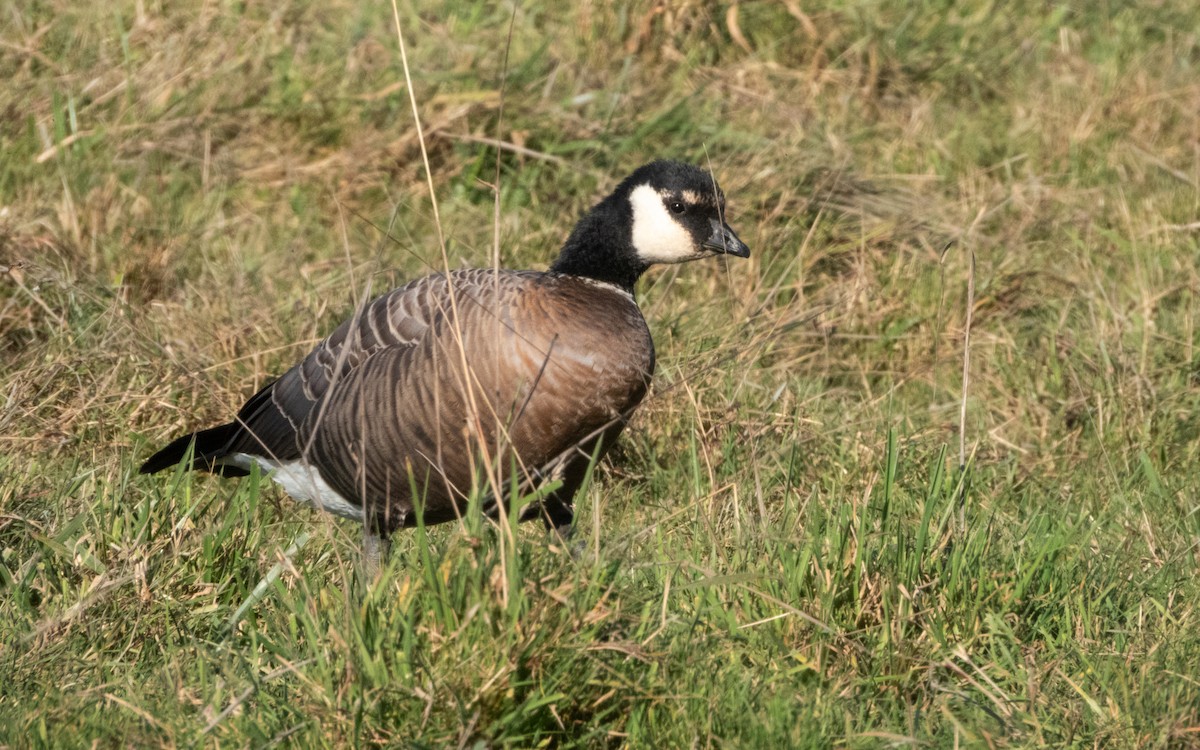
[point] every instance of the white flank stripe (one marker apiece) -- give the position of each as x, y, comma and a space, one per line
302, 482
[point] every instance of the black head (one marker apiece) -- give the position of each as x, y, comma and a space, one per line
665, 212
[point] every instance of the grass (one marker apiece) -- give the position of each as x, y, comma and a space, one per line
783, 551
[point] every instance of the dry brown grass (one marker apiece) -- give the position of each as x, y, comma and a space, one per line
191, 196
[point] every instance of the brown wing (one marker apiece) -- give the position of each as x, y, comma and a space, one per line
517, 371
271, 420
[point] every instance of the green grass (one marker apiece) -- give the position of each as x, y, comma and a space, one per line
783, 550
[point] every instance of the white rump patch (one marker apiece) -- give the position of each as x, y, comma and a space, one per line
657, 236
302, 482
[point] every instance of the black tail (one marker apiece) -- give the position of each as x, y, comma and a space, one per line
211, 445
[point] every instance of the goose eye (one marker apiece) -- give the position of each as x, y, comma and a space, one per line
677, 207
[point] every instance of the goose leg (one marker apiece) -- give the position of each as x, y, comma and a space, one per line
562, 533
559, 518
558, 510
375, 551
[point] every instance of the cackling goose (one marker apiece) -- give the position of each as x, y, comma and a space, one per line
427, 390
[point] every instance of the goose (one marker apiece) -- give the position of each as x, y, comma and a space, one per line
526, 377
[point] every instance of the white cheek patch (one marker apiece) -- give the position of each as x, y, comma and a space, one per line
657, 236
302, 482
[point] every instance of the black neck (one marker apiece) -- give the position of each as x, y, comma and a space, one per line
601, 246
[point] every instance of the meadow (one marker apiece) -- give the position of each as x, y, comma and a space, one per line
820, 529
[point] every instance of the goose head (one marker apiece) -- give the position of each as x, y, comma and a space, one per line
665, 212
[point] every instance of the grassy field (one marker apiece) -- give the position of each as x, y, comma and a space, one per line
784, 550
